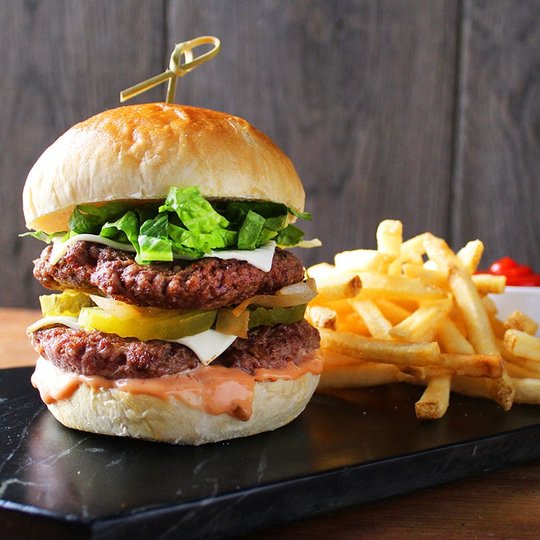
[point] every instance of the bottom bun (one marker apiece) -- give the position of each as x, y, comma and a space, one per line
115, 412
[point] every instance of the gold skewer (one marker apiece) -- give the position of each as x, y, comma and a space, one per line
177, 68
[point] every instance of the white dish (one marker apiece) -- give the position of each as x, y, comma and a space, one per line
524, 299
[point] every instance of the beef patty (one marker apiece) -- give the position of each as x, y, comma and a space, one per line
113, 357
207, 283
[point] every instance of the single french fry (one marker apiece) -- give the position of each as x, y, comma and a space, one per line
498, 327
379, 327
520, 372
332, 358
389, 240
455, 315
521, 368
435, 399
432, 265
503, 391
321, 271
412, 250
392, 311
489, 306
341, 307
511, 358
390, 236
359, 375
470, 255
519, 321
423, 321
424, 373
407, 304
352, 323
397, 287
526, 390
322, 317
363, 260
487, 283
451, 340
431, 277
473, 386
475, 365
522, 345
378, 350
341, 286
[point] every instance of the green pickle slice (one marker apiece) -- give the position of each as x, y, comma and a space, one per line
162, 326
270, 316
69, 303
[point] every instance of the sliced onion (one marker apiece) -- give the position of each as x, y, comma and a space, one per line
121, 309
227, 323
292, 295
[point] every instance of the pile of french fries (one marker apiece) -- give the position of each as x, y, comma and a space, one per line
414, 311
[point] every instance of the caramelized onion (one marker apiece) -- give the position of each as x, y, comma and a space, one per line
292, 295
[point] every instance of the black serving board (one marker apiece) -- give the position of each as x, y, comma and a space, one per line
348, 447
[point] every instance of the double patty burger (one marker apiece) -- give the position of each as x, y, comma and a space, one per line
177, 314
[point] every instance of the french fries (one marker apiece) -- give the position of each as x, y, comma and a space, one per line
414, 311
520, 321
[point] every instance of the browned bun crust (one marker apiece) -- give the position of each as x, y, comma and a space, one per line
138, 152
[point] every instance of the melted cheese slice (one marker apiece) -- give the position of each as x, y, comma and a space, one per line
207, 345
261, 257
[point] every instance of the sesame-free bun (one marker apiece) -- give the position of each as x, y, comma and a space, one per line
115, 412
138, 152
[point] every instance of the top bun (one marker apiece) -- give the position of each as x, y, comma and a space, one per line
139, 152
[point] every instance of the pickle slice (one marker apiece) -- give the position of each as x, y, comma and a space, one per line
69, 303
227, 323
270, 316
162, 326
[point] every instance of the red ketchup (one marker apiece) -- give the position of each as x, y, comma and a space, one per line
516, 274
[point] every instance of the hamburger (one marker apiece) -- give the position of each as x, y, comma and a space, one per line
177, 312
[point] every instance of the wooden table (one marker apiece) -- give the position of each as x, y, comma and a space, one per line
501, 504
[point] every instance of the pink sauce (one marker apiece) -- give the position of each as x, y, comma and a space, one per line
214, 389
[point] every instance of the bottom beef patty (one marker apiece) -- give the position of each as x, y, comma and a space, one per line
113, 357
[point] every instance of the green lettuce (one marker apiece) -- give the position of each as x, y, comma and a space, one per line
186, 225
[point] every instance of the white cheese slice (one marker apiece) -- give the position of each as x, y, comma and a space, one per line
59, 248
207, 345
261, 257
71, 322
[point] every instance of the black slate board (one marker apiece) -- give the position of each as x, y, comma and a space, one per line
348, 447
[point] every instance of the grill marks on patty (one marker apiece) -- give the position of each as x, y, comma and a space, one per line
208, 283
113, 357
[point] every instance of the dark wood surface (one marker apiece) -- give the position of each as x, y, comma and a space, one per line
501, 504
426, 111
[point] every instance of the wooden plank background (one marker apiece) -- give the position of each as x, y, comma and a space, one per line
423, 110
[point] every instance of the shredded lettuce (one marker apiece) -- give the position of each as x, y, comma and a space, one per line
89, 219
185, 225
44, 237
